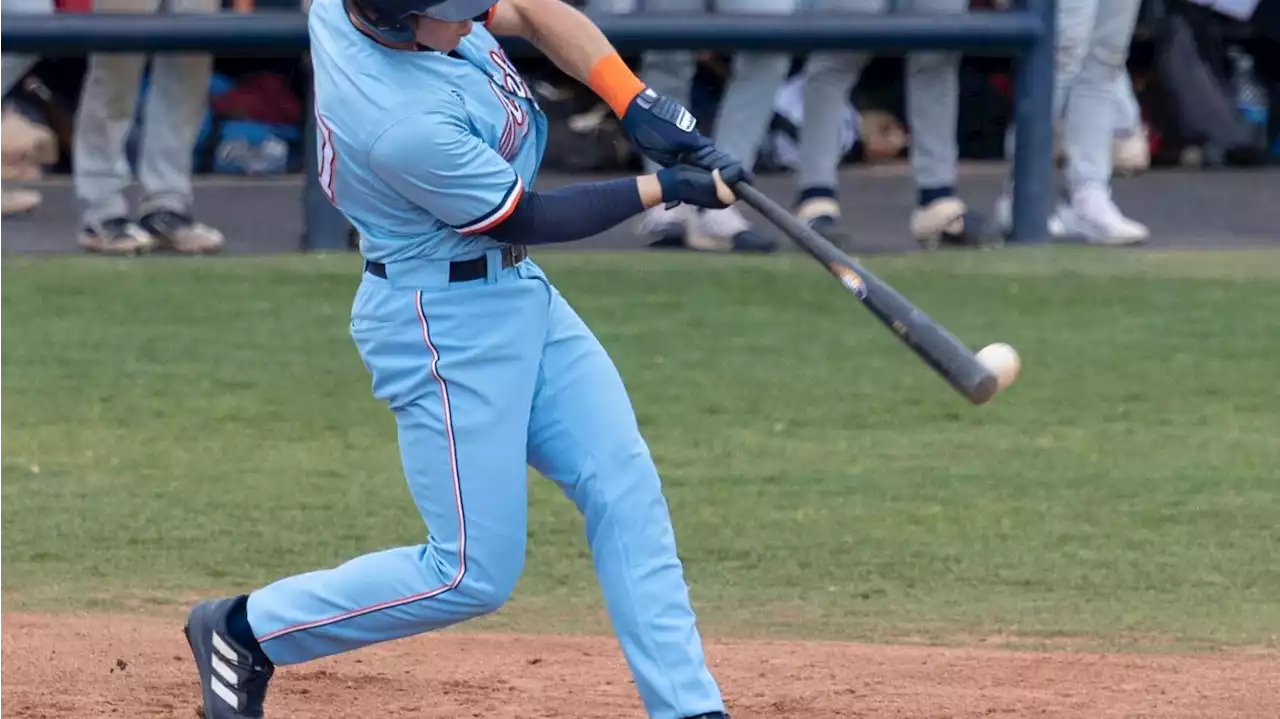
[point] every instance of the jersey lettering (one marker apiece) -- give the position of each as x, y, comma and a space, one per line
513, 127
511, 80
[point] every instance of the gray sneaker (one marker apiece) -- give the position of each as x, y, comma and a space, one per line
232, 684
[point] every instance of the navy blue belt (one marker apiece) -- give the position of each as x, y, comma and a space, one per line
465, 270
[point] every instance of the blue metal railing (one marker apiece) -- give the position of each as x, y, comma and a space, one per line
1026, 34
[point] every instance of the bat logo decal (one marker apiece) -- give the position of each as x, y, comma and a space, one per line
849, 279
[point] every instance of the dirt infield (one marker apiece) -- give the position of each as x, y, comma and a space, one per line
105, 666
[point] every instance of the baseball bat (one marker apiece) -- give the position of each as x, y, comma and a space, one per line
928, 339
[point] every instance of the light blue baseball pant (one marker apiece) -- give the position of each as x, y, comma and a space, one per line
485, 377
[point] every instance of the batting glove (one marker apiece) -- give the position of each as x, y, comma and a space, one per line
667, 134
698, 187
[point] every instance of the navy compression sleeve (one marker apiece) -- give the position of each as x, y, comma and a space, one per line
569, 213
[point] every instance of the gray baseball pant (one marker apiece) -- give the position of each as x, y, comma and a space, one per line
1130, 112
933, 97
746, 108
1089, 94
175, 106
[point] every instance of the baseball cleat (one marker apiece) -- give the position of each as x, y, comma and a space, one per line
116, 236
822, 215
180, 232
232, 684
752, 241
947, 222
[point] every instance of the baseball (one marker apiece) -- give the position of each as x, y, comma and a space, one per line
1002, 361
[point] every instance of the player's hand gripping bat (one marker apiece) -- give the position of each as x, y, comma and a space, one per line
937, 347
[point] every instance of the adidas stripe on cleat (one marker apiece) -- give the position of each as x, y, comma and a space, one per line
232, 684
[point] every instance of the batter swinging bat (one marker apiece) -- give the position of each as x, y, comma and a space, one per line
928, 339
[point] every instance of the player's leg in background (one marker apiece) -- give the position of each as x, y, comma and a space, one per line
742, 120
933, 105
26, 146
100, 169
1075, 27
829, 77
1130, 147
583, 435
1088, 129
461, 400
174, 108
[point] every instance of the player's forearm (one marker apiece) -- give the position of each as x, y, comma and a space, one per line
576, 211
576, 46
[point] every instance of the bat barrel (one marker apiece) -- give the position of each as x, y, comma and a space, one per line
928, 339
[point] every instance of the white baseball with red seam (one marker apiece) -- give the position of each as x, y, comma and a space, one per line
1002, 361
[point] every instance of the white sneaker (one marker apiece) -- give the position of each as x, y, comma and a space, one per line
666, 228
1004, 217
1131, 152
1093, 215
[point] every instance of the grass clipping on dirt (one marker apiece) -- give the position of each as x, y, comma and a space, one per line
182, 428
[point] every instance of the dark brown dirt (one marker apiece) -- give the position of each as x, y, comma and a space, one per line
110, 665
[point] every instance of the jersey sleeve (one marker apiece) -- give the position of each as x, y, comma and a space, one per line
436, 162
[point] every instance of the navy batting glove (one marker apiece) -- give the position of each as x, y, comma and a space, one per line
663, 129
709, 158
695, 186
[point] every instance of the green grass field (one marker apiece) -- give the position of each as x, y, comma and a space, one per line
177, 428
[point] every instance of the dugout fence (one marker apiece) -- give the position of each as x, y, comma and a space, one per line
1024, 33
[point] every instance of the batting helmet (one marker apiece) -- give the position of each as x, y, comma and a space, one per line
389, 19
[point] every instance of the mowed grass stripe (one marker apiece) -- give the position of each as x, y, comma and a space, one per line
180, 427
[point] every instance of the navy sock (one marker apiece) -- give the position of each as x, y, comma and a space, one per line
239, 629
929, 194
810, 193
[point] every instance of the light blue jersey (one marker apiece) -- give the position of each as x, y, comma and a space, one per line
422, 151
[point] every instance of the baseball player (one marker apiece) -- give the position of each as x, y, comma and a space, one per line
175, 106
933, 97
429, 142
1092, 48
